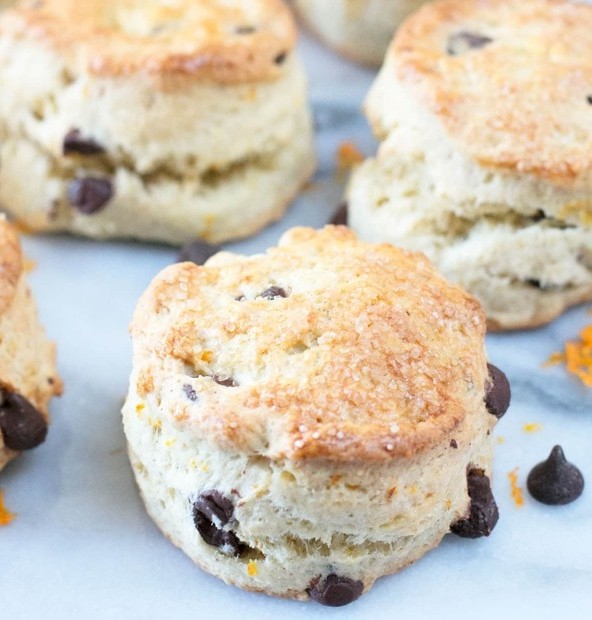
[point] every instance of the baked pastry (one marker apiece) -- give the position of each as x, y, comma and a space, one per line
160, 121
358, 29
4, 4
485, 112
304, 421
28, 376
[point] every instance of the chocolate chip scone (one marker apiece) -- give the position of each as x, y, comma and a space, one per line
304, 421
485, 112
28, 376
358, 29
160, 121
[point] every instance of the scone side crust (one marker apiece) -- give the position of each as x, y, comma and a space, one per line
11, 263
208, 41
382, 365
529, 113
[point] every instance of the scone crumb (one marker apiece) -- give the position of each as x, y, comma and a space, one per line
515, 488
252, 568
6, 516
532, 427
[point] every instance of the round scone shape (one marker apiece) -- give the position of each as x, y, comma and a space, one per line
304, 421
28, 376
358, 29
483, 109
161, 121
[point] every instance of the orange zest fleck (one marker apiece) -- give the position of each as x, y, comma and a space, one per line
532, 427
6, 516
252, 568
500, 439
577, 357
515, 488
348, 156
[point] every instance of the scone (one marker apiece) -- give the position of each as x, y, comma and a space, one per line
28, 376
304, 421
485, 112
160, 121
358, 29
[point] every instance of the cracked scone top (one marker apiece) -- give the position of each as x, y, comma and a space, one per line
159, 120
485, 112
309, 414
28, 377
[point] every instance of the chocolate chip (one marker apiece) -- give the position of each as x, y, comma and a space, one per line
190, 392
225, 381
453, 444
555, 481
280, 58
463, 41
197, 252
211, 512
497, 399
335, 591
340, 216
273, 292
589, 99
245, 29
75, 143
90, 194
483, 512
23, 427
534, 283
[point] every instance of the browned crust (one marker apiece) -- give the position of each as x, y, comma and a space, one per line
11, 263
396, 360
190, 39
519, 103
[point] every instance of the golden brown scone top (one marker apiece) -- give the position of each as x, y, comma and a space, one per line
370, 355
11, 263
510, 81
224, 41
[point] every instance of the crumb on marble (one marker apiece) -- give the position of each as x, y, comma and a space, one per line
6, 516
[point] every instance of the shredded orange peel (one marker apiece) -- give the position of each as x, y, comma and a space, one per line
515, 489
6, 516
348, 156
577, 357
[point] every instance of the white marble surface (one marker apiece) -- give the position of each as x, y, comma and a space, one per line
82, 545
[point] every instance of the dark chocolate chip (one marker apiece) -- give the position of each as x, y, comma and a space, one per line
280, 58
555, 481
273, 292
340, 216
589, 99
483, 512
211, 512
245, 29
497, 399
225, 381
464, 41
335, 591
90, 194
453, 444
23, 427
190, 392
197, 252
75, 143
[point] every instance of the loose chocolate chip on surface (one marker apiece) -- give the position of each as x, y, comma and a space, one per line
225, 381
340, 216
335, 591
280, 58
197, 252
75, 143
463, 41
22, 426
497, 399
555, 481
90, 194
211, 512
273, 292
190, 392
483, 512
